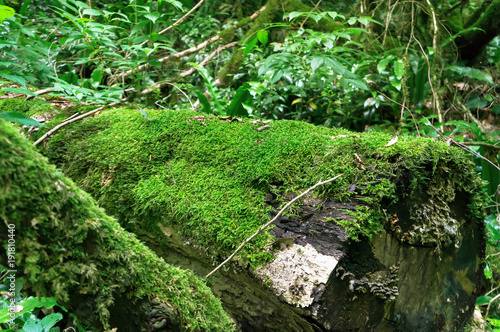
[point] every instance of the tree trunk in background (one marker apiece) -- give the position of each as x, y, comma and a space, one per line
395, 244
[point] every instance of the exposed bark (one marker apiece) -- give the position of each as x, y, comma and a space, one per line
413, 206
472, 43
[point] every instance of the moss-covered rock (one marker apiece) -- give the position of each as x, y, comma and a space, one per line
67, 248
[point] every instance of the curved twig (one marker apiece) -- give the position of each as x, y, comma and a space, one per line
262, 228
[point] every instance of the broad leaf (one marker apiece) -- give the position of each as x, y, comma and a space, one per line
399, 68
203, 101
6, 12
20, 118
21, 91
14, 78
153, 16
316, 63
471, 73
236, 107
262, 36
382, 64
250, 45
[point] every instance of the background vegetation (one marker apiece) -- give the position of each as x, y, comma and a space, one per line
418, 68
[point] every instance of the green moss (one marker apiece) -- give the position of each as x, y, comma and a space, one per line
67, 247
211, 181
31, 107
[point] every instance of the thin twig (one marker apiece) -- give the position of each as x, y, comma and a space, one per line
71, 117
486, 145
40, 92
309, 14
53, 130
208, 58
185, 52
179, 21
185, 95
262, 228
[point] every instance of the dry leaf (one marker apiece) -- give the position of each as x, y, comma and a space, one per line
392, 141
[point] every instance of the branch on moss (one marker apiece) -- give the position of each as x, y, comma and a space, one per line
56, 128
483, 144
142, 93
41, 92
262, 228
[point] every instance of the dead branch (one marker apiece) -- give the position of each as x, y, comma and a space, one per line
185, 52
262, 228
179, 21
41, 92
208, 58
56, 128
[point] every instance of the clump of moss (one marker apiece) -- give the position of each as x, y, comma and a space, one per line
30, 107
67, 247
211, 181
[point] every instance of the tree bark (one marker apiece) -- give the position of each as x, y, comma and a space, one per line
472, 43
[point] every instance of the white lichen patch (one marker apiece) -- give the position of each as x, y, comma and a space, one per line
296, 272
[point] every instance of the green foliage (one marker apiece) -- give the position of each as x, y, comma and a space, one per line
20, 118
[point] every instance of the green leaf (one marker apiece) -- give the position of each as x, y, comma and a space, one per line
29, 304
203, 101
138, 27
250, 45
92, 12
333, 15
20, 118
49, 321
395, 82
363, 20
399, 68
21, 91
153, 16
291, 16
6, 12
96, 77
471, 73
277, 76
14, 78
144, 113
493, 321
262, 36
382, 64
483, 300
335, 65
352, 21
236, 107
316, 63
356, 83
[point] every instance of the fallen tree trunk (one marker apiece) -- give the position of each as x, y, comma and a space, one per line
395, 244
67, 248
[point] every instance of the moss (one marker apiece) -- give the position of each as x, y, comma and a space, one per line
31, 107
68, 248
211, 181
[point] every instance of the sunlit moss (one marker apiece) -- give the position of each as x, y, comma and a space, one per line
211, 181
66, 244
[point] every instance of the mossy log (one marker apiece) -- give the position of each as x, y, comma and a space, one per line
395, 244
66, 247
